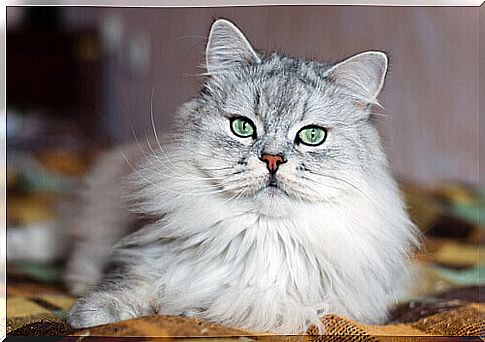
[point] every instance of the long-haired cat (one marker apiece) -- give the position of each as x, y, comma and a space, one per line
270, 202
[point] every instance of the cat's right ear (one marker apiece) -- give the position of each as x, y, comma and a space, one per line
227, 48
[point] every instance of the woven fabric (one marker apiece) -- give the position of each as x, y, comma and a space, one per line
465, 320
43, 313
36, 309
444, 301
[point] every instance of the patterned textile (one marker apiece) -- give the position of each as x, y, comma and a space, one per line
43, 315
445, 299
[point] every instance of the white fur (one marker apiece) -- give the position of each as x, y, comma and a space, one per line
332, 237
270, 265
276, 264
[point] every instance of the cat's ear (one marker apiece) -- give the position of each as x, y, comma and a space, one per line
227, 47
362, 74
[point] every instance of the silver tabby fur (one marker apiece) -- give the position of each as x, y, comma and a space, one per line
333, 237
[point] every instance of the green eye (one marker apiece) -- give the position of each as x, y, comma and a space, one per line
312, 135
242, 127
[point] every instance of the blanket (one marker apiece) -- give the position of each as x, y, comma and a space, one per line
445, 301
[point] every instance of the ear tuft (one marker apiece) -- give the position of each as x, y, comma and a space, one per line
227, 48
362, 74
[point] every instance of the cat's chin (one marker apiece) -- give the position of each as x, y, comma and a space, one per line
273, 201
273, 191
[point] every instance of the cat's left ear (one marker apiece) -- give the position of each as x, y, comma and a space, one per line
363, 75
227, 48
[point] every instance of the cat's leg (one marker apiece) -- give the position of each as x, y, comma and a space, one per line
113, 301
99, 222
87, 260
130, 288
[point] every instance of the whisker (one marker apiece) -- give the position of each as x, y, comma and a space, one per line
150, 182
152, 121
340, 180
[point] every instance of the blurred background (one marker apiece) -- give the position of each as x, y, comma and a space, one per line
81, 79
91, 71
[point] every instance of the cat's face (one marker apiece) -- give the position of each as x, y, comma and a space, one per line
278, 128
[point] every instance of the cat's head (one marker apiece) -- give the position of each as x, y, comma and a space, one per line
272, 128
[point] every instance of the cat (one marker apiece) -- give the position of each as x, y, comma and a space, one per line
267, 204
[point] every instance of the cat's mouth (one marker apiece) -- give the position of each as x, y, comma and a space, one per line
273, 182
273, 187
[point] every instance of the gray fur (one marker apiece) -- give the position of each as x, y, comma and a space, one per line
332, 238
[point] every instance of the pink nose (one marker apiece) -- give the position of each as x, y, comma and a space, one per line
272, 162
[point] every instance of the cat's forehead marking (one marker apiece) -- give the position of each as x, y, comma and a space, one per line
281, 92
287, 95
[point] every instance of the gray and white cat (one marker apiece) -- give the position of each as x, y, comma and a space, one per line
270, 202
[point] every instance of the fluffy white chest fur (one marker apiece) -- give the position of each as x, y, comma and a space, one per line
244, 265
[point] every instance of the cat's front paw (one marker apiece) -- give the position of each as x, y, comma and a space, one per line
85, 314
96, 309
